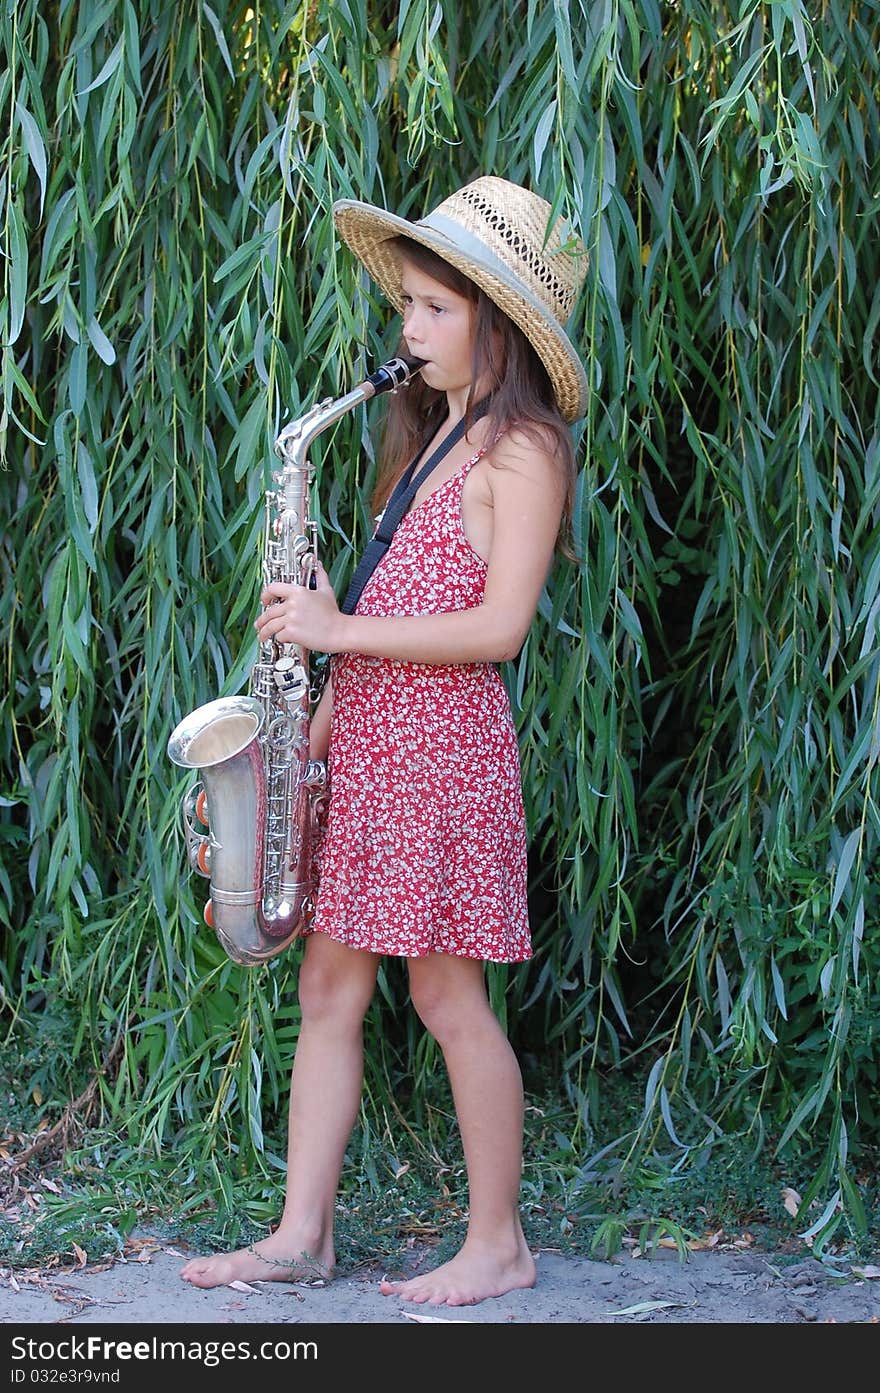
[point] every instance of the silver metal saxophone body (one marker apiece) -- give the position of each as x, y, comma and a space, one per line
253, 818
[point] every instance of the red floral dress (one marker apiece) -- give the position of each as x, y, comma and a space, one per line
424, 849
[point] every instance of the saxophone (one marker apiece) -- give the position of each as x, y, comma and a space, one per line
252, 819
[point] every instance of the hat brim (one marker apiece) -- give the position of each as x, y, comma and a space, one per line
368, 231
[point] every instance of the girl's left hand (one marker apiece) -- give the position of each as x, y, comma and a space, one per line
296, 614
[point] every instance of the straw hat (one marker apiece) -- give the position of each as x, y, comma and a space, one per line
494, 233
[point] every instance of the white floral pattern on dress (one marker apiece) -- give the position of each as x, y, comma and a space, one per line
424, 849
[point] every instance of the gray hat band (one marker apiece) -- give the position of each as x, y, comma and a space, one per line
462, 240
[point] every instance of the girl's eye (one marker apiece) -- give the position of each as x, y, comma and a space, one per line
407, 302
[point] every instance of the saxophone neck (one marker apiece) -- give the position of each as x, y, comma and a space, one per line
292, 445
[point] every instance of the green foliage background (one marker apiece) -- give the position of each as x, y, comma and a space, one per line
698, 702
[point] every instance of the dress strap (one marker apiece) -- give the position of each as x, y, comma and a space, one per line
475, 459
469, 464
399, 502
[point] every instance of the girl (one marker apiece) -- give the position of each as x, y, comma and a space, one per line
425, 849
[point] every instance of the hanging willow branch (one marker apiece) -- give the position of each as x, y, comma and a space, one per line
698, 702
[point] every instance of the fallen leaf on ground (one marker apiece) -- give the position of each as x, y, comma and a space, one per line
434, 1320
695, 1245
81, 1256
243, 1286
142, 1245
647, 1306
792, 1200
709, 1240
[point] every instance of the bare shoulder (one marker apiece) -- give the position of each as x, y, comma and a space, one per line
529, 456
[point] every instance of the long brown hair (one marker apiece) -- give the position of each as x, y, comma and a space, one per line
503, 358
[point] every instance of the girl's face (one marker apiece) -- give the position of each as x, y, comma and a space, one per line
438, 325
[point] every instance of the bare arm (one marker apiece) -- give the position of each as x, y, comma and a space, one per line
527, 499
319, 725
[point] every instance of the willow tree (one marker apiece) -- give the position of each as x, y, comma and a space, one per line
698, 702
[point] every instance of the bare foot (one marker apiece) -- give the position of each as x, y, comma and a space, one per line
270, 1260
471, 1276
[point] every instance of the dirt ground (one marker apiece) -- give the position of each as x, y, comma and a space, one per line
727, 1284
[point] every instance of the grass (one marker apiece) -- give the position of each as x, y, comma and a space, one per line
91, 1188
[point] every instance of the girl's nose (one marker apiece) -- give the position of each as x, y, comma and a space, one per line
411, 323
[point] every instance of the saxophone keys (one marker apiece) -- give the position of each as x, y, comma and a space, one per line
291, 679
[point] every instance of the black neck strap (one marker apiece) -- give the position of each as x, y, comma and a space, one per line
398, 504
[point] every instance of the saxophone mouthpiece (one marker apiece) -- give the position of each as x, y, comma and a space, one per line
394, 374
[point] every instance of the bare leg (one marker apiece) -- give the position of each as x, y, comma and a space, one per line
335, 987
449, 994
